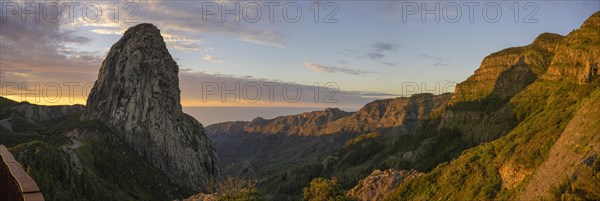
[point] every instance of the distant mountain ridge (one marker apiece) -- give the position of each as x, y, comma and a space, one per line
261, 146
396, 112
20, 116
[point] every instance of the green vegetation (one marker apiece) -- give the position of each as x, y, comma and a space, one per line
11, 139
20, 123
360, 138
6, 103
486, 145
100, 168
246, 194
584, 186
387, 148
238, 189
321, 189
544, 108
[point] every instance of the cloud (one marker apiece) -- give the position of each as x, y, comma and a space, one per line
210, 58
167, 15
108, 31
439, 64
437, 61
195, 92
380, 95
380, 49
388, 63
44, 47
374, 55
333, 69
384, 47
376, 51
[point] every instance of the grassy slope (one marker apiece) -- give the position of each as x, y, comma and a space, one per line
573, 158
544, 109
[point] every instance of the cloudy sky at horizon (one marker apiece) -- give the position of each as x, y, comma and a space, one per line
358, 51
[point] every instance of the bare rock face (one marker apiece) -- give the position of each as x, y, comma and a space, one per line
137, 95
505, 73
578, 56
380, 183
479, 106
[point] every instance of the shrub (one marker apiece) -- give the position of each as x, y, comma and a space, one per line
321, 189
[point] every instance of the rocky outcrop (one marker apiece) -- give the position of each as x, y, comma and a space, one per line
578, 57
137, 95
479, 107
507, 72
380, 183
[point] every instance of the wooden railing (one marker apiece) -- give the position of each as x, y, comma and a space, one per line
15, 183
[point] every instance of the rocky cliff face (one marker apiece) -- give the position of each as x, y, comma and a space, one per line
504, 73
380, 183
479, 106
578, 56
137, 95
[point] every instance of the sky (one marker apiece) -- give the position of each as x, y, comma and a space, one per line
294, 54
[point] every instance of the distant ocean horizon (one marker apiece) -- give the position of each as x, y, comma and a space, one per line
212, 115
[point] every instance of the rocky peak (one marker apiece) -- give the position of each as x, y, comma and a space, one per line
577, 57
137, 95
508, 71
380, 183
592, 22
549, 40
